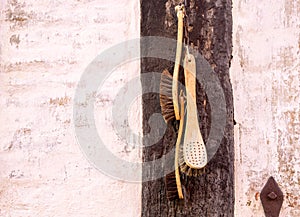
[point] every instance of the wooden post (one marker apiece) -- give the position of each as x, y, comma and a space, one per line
212, 194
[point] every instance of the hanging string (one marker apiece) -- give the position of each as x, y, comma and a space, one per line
186, 26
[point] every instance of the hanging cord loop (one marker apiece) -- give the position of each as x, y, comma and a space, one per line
186, 29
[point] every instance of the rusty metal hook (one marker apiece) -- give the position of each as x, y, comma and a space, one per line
271, 198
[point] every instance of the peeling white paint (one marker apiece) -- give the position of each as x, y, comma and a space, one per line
45, 47
265, 74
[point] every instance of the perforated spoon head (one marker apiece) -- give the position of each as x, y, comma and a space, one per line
195, 155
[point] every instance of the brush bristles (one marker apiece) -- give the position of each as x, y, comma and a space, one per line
166, 102
167, 110
184, 168
171, 187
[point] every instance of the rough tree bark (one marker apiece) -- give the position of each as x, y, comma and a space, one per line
211, 194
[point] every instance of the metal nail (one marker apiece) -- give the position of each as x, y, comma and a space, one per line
272, 196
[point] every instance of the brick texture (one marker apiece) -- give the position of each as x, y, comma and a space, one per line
45, 47
265, 75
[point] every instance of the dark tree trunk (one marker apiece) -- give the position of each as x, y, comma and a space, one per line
211, 194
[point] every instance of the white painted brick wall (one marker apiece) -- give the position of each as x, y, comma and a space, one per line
45, 47
266, 80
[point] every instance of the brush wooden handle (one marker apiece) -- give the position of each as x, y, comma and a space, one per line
177, 150
180, 16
